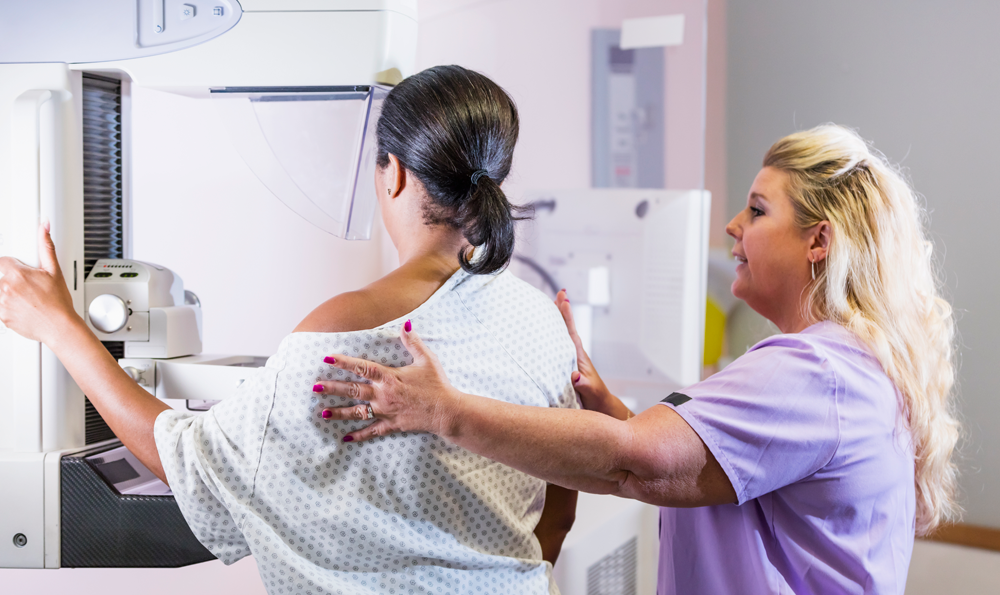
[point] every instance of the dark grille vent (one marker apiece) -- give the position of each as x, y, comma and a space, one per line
115, 348
95, 429
102, 170
102, 201
615, 574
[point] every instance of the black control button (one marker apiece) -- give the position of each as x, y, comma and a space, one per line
129, 275
101, 275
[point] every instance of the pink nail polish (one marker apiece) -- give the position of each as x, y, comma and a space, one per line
566, 300
348, 438
327, 414
317, 388
563, 290
407, 327
329, 360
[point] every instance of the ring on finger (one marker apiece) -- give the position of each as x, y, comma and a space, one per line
371, 412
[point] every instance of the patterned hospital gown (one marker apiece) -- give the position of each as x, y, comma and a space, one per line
262, 473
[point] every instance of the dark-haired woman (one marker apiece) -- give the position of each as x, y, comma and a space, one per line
262, 473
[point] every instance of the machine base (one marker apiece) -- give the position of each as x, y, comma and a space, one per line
102, 528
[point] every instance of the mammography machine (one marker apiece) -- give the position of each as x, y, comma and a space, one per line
298, 83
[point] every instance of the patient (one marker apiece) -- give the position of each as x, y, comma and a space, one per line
262, 473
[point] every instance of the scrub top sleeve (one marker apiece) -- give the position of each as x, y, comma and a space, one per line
770, 418
187, 455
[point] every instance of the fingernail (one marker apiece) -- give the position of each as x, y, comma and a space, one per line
563, 290
576, 377
329, 360
566, 300
327, 414
348, 438
407, 327
317, 388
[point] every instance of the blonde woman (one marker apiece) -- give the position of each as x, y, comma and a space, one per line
808, 464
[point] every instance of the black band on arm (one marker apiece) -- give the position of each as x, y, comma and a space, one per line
676, 399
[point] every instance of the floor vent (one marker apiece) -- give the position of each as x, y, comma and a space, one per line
616, 573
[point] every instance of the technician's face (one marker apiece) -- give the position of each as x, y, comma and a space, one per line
771, 250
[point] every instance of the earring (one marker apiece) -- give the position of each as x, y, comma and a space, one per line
812, 267
388, 191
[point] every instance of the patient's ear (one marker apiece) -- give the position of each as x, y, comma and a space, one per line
395, 176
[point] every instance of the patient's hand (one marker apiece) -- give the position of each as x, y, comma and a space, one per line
35, 302
594, 395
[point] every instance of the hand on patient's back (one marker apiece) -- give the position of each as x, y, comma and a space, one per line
35, 303
587, 382
417, 397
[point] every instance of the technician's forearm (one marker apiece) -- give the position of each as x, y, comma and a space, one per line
129, 410
579, 450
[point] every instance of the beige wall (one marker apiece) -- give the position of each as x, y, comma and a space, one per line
716, 180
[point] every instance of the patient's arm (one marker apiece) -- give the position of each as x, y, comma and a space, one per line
557, 519
36, 303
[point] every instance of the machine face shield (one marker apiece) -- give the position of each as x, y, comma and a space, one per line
313, 147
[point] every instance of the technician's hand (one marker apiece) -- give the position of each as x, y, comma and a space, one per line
35, 303
417, 397
594, 395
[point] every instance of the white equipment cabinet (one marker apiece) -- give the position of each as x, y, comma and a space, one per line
66, 72
634, 262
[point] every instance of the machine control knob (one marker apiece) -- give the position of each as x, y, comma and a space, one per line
108, 313
133, 373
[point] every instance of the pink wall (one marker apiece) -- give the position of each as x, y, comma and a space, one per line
540, 53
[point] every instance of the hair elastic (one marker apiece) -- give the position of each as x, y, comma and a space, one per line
478, 174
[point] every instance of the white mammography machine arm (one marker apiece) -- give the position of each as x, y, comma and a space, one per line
66, 71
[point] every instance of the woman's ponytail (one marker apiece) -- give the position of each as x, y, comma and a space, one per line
455, 130
487, 220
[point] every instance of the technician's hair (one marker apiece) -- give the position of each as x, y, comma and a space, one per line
444, 124
879, 281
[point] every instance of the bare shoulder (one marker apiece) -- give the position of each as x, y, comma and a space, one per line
386, 299
350, 311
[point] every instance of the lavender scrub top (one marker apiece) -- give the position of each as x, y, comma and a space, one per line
807, 428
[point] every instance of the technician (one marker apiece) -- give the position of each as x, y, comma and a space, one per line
808, 464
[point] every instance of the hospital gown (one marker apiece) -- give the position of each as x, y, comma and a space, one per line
262, 473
